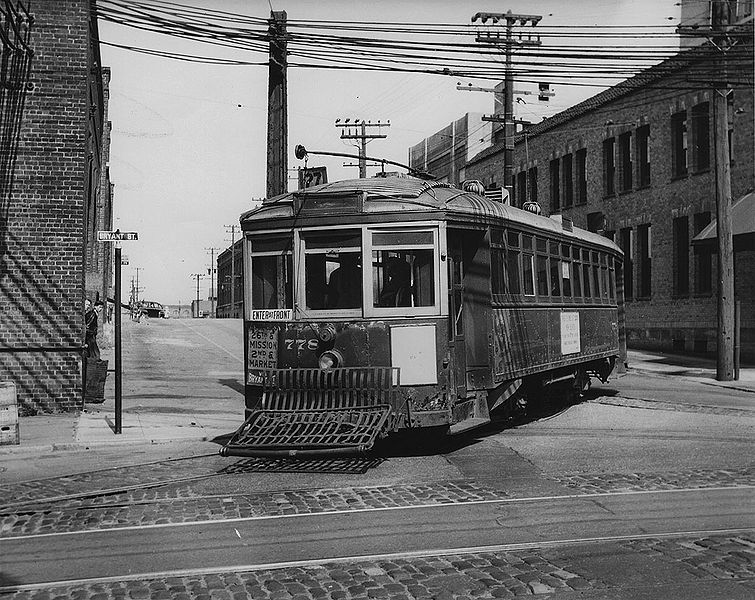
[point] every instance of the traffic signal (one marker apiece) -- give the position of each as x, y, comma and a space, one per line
545, 92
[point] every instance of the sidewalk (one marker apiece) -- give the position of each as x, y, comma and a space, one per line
95, 425
691, 368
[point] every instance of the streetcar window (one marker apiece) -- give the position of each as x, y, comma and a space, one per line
555, 277
541, 244
577, 272
497, 271
271, 281
595, 281
528, 267
513, 239
332, 270
566, 278
542, 275
403, 269
612, 279
586, 279
512, 262
527, 242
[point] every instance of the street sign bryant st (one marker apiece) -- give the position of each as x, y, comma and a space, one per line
116, 236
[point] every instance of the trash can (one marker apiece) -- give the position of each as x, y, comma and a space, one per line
8, 414
96, 374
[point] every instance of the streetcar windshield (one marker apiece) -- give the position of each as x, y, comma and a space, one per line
333, 269
403, 269
271, 261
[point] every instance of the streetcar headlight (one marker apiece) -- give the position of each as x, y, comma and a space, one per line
330, 359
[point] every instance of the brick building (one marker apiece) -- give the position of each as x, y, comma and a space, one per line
60, 195
636, 163
231, 301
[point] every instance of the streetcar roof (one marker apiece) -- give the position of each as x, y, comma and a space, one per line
402, 196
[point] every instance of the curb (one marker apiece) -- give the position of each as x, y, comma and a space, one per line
97, 445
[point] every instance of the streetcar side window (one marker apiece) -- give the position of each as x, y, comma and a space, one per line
577, 271
332, 269
403, 269
272, 272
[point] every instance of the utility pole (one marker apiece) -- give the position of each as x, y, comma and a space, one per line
213, 270
509, 41
136, 289
277, 106
720, 20
357, 130
233, 267
198, 276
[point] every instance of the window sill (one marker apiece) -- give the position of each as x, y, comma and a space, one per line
643, 187
644, 299
679, 177
701, 171
683, 296
702, 294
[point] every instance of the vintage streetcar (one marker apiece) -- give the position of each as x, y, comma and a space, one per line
393, 303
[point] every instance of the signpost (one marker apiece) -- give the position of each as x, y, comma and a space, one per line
117, 236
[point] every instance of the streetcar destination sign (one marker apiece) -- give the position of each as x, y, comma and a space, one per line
116, 236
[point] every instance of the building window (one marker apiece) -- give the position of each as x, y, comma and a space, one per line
609, 167
642, 139
521, 188
700, 136
582, 176
625, 161
532, 173
703, 257
644, 257
681, 256
626, 243
568, 179
555, 186
679, 144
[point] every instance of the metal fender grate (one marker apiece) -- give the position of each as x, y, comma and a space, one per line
310, 411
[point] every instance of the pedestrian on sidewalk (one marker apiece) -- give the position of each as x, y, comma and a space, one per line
90, 339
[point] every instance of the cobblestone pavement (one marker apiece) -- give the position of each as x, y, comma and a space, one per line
642, 482
179, 503
515, 574
671, 406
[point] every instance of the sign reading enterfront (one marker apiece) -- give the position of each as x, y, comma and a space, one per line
117, 236
273, 314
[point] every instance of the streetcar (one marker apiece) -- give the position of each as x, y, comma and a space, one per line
389, 304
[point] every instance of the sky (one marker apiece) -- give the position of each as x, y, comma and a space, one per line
188, 143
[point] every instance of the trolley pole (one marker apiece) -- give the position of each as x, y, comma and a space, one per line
509, 41
277, 106
358, 131
720, 19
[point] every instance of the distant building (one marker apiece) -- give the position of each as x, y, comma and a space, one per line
636, 162
54, 196
178, 311
231, 282
445, 153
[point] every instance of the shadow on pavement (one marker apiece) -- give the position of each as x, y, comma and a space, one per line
234, 384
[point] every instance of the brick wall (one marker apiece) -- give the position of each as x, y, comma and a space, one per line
666, 319
42, 275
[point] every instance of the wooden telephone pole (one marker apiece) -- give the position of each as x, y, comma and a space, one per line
277, 106
510, 40
720, 20
357, 130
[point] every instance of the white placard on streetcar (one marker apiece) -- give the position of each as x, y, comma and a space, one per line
117, 236
273, 314
570, 343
